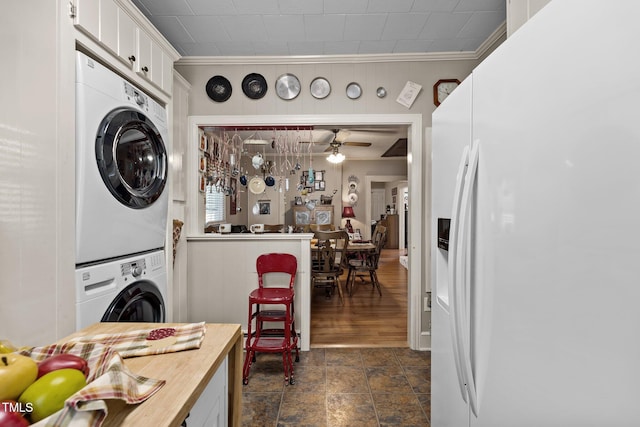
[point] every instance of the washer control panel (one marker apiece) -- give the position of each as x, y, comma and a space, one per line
135, 268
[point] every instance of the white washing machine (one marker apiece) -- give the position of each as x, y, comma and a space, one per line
121, 166
131, 289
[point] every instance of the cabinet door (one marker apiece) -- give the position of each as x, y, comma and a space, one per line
301, 216
323, 215
149, 59
109, 25
87, 17
167, 73
126, 38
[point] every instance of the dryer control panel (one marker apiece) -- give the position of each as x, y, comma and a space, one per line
134, 95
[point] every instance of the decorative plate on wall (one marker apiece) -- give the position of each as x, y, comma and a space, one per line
254, 86
287, 86
354, 90
218, 88
320, 88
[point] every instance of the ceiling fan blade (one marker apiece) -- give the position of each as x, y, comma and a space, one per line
357, 144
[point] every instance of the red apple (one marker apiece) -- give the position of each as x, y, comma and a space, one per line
11, 415
63, 361
17, 372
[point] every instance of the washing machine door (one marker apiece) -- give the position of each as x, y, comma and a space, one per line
132, 157
139, 302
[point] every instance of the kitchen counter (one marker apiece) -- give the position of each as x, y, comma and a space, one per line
187, 373
250, 236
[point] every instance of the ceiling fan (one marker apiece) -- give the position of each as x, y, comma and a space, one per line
339, 138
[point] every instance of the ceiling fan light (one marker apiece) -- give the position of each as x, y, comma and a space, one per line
336, 157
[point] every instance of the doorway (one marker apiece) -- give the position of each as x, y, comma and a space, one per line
417, 243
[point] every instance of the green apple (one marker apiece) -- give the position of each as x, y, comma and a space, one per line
17, 372
49, 392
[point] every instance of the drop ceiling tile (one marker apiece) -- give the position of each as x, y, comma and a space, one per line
284, 27
306, 48
364, 27
486, 5
258, 7
244, 27
367, 47
480, 22
205, 29
208, 7
172, 29
324, 27
200, 49
434, 5
395, 6
409, 46
404, 26
166, 7
341, 48
299, 7
235, 48
444, 25
342, 6
277, 48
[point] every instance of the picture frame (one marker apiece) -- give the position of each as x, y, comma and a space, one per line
203, 142
265, 207
320, 175
202, 164
202, 183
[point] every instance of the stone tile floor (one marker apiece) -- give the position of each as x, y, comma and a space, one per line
341, 387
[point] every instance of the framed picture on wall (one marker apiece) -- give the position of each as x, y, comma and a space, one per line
265, 207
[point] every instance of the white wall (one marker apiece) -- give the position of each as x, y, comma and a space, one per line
37, 172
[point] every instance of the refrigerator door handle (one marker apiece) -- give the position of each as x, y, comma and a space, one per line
453, 269
463, 260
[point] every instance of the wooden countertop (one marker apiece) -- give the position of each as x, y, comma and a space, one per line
187, 374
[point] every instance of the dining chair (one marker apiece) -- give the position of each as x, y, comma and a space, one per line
328, 260
367, 262
272, 304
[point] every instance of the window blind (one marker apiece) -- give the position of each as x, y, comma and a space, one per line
214, 205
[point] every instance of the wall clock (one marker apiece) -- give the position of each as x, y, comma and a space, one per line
442, 89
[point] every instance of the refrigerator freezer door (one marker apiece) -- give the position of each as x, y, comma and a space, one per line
555, 285
451, 138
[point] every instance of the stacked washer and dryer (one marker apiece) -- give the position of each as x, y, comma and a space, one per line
121, 199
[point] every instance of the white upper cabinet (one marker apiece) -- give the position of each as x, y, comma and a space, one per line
116, 29
109, 25
87, 14
127, 33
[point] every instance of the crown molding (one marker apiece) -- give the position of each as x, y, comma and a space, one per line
487, 45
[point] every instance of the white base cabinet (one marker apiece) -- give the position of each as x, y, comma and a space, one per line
210, 410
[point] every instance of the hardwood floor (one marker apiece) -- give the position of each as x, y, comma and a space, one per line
366, 319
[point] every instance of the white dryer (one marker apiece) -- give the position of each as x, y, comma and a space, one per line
131, 289
121, 166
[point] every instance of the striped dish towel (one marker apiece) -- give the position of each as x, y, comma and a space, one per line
146, 342
108, 378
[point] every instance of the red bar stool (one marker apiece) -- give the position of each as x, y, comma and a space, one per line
272, 340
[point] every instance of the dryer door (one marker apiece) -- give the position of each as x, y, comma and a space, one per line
132, 157
139, 302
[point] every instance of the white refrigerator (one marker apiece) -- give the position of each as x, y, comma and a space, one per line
536, 204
